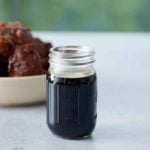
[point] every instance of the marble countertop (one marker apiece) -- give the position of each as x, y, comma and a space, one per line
123, 68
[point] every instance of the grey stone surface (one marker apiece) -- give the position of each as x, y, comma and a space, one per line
123, 104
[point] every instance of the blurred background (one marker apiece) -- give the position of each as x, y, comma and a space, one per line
79, 15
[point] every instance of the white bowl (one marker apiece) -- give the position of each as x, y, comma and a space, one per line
22, 90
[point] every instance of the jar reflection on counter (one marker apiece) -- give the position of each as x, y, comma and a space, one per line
71, 92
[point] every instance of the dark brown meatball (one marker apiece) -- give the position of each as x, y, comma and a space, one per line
25, 61
5, 49
20, 53
3, 69
43, 49
16, 33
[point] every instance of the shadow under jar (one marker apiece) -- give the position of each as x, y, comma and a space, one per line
71, 92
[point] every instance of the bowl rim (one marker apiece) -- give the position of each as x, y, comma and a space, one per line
23, 77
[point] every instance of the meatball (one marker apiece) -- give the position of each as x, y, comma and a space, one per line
25, 61
20, 53
3, 69
5, 49
16, 33
43, 49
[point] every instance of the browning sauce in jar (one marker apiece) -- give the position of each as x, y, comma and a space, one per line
71, 91
71, 107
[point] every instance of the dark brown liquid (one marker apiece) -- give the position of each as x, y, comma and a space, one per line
71, 106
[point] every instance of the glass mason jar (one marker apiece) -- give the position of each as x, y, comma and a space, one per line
71, 92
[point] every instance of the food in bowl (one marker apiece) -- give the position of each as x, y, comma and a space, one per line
23, 65
21, 54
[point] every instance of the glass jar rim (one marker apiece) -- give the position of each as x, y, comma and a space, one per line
72, 51
72, 55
